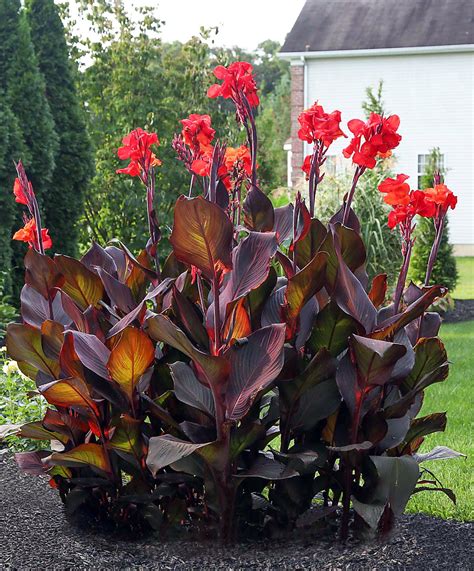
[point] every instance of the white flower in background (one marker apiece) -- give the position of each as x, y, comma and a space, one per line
10, 367
3, 349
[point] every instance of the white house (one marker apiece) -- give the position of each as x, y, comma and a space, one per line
423, 50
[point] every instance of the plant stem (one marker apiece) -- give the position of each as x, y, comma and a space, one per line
346, 502
402, 276
347, 207
434, 251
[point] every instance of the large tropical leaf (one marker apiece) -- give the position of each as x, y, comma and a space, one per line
417, 308
350, 295
306, 248
189, 390
253, 366
332, 330
202, 235
92, 455
132, 353
258, 211
397, 478
92, 353
165, 450
35, 308
303, 286
250, 264
431, 364
283, 225
42, 274
24, 345
375, 359
81, 284
70, 393
214, 369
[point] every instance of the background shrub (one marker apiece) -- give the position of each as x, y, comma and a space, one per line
444, 271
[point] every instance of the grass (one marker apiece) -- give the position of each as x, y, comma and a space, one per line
465, 287
455, 397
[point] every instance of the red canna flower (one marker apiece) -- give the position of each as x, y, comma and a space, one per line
136, 147
375, 138
29, 234
237, 78
318, 125
237, 165
20, 196
197, 132
397, 191
202, 166
306, 166
442, 197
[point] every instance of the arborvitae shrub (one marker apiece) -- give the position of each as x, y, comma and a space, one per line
444, 270
74, 165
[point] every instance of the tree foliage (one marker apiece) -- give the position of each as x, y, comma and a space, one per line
73, 159
24, 88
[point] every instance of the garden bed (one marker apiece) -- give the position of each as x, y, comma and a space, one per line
35, 533
463, 311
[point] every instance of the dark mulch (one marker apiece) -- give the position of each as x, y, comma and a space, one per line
35, 534
463, 311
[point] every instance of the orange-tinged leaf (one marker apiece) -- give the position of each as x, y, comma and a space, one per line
302, 286
137, 280
202, 235
52, 335
83, 455
41, 273
132, 354
81, 285
237, 323
378, 291
24, 345
72, 392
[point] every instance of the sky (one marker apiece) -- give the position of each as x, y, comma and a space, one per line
244, 23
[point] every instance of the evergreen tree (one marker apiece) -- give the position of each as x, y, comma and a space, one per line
444, 271
74, 165
11, 149
24, 90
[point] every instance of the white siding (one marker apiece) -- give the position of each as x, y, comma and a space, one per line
432, 94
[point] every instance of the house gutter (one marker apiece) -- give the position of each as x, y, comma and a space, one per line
377, 52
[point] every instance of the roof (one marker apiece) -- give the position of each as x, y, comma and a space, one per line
334, 25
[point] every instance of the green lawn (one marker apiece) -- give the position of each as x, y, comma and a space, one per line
465, 287
455, 397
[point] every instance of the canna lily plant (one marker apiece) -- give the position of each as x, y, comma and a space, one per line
254, 379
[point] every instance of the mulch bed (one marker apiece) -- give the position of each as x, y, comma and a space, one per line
463, 311
35, 534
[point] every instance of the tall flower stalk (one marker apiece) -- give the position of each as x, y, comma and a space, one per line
319, 129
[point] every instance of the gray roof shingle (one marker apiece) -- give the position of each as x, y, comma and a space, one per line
327, 25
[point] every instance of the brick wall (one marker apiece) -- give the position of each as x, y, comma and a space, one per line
297, 106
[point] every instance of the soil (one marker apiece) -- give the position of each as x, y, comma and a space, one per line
463, 311
35, 534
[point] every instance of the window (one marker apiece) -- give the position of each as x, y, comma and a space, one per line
330, 165
422, 161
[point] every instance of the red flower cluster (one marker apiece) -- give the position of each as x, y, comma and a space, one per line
318, 125
441, 197
237, 162
237, 79
197, 132
29, 233
375, 138
136, 147
406, 203
19, 193
397, 191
